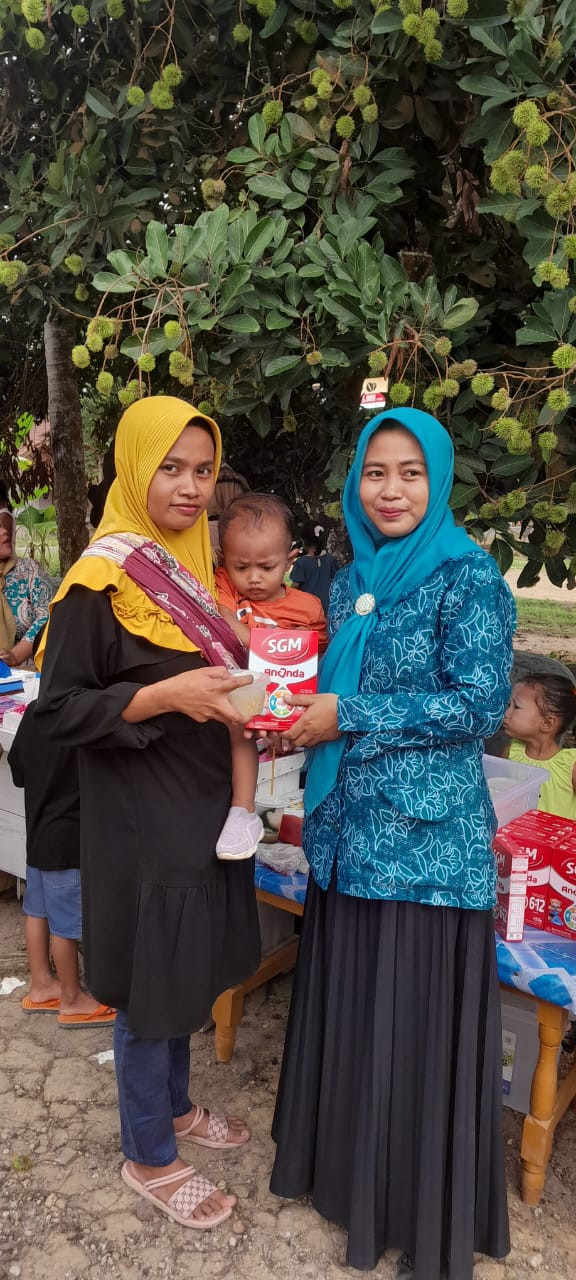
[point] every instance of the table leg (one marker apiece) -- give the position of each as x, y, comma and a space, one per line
541, 1122
227, 1014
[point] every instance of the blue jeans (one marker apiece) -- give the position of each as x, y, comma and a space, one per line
152, 1078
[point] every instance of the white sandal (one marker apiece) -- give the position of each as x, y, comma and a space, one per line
216, 1134
184, 1201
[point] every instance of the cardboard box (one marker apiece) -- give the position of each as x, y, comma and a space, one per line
561, 907
512, 866
289, 660
550, 843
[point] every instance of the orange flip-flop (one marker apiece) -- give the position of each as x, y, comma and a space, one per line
101, 1017
40, 1006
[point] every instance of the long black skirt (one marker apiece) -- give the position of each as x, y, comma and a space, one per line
389, 1107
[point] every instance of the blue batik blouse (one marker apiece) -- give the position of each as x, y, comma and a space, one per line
28, 593
410, 817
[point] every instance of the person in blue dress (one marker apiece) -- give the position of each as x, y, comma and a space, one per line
25, 595
389, 1107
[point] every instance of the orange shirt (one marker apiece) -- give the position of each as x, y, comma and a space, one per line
293, 609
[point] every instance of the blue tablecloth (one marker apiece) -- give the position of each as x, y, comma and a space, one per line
292, 886
542, 965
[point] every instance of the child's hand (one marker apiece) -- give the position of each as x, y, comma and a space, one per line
319, 721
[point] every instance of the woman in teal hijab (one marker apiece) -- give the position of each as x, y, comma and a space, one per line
401, 1146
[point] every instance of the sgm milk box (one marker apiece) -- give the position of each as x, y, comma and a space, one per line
561, 914
544, 837
289, 660
512, 869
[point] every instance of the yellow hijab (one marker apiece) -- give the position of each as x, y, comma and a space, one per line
146, 433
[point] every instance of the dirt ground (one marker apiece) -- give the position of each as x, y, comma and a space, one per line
65, 1214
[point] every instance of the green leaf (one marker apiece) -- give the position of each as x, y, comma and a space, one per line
99, 104
511, 465
462, 495
106, 282
257, 132
259, 238
260, 419
281, 364
333, 358
215, 226
266, 184
461, 313
293, 289
534, 333
123, 263
242, 155
312, 271
156, 343
240, 324
503, 554
157, 248
299, 127
530, 573
275, 21
487, 87
386, 21
277, 320
233, 285
491, 37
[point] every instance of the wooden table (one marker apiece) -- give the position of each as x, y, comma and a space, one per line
549, 1098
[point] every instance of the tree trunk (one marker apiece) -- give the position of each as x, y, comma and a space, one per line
67, 439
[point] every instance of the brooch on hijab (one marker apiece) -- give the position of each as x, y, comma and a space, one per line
365, 603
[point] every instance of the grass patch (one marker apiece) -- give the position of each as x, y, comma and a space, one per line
547, 617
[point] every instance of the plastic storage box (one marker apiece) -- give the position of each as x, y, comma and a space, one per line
514, 787
287, 772
520, 1048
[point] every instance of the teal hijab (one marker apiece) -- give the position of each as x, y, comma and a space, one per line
386, 569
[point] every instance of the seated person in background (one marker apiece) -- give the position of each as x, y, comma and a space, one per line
25, 594
541, 710
315, 568
255, 539
52, 906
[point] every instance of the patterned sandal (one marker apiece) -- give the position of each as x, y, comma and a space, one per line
216, 1133
184, 1201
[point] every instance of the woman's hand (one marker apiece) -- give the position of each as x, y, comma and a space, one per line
201, 694
18, 655
319, 721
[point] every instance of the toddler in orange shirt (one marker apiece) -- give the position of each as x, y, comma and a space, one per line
255, 534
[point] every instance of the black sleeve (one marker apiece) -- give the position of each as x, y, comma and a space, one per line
79, 704
17, 752
298, 572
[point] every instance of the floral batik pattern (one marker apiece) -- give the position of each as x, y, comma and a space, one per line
410, 817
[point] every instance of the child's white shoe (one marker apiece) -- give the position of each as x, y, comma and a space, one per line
240, 835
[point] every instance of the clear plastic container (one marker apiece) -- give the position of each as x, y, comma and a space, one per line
514, 787
249, 699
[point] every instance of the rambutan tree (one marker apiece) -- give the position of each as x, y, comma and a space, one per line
258, 204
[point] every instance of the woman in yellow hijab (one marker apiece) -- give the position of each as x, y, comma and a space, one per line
135, 675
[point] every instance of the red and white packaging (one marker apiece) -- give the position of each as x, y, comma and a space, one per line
289, 660
512, 866
561, 914
549, 842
